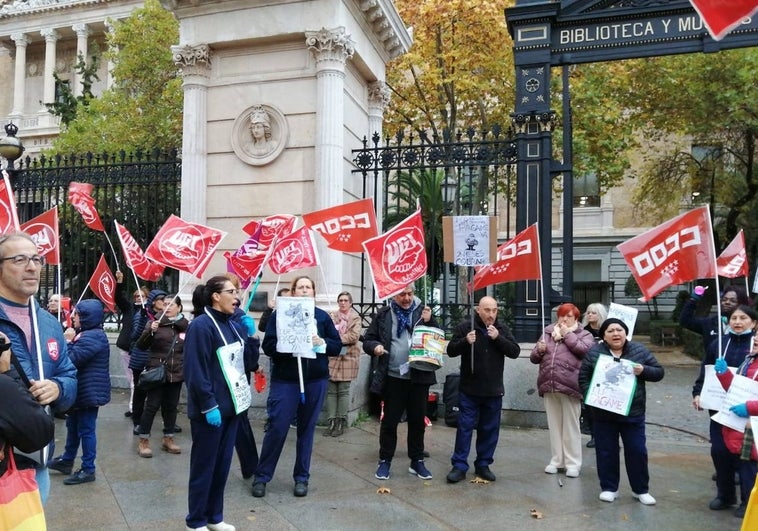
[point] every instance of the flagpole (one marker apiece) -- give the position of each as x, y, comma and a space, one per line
300, 378
712, 248
60, 290
118, 267
38, 347
542, 280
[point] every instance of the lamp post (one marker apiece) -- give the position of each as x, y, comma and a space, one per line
449, 192
11, 147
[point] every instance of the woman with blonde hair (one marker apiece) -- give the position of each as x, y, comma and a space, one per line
594, 317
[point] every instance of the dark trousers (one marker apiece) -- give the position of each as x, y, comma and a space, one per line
482, 413
247, 451
166, 398
725, 463
286, 405
81, 427
632, 433
401, 395
210, 459
138, 400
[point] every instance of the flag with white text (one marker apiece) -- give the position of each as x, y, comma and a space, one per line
44, 231
732, 262
345, 227
103, 284
517, 259
184, 245
8, 213
294, 251
80, 197
135, 258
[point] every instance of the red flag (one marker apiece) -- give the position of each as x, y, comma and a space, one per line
271, 227
135, 258
722, 16
398, 256
80, 197
345, 227
103, 284
8, 213
732, 262
44, 231
517, 259
247, 262
185, 246
295, 251
678, 251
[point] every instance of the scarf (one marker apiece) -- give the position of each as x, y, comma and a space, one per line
343, 319
557, 332
403, 318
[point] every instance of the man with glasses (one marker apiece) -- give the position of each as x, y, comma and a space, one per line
34, 336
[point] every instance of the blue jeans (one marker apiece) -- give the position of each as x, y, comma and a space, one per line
81, 427
482, 413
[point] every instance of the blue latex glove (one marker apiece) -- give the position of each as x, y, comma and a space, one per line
720, 366
213, 417
249, 323
740, 410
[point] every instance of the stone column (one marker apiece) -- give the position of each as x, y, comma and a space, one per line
82, 33
19, 78
195, 65
48, 94
110, 64
378, 99
330, 49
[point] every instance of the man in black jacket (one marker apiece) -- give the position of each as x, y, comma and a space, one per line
402, 387
483, 348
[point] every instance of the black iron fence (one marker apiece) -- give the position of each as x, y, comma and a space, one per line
138, 190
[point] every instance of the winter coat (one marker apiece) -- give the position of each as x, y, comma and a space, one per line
732, 438
707, 327
734, 347
284, 364
166, 345
632, 351
128, 310
483, 376
138, 357
24, 423
560, 363
344, 368
90, 352
206, 385
380, 333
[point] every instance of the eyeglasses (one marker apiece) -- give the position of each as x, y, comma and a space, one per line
343, 300
22, 260
230, 291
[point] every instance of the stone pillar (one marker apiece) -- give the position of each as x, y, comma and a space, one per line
378, 99
48, 94
330, 49
110, 64
19, 79
195, 63
82, 33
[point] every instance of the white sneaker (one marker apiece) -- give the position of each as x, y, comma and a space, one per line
608, 496
203, 528
551, 469
572, 472
221, 526
645, 499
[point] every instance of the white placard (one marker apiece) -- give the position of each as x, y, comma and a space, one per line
613, 384
712, 394
626, 314
740, 391
295, 325
471, 240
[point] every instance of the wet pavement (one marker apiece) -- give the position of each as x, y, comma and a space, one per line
133, 493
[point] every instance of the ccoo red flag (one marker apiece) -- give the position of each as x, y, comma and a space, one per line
295, 251
44, 231
517, 259
80, 197
185, 246
722, 16
732, 262
345, 227
397, 257
103, 284
678, 251
8, 213
135, 258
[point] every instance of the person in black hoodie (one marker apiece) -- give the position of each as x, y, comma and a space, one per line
128, 309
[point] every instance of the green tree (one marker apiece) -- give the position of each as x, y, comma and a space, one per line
143, 107
68, 103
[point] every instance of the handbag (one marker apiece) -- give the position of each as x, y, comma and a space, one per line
152, 378
20, 502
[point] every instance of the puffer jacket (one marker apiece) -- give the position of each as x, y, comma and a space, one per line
90, 353
560, 363
734, 349
166, 346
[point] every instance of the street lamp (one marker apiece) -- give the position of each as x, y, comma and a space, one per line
11, 147
449, 191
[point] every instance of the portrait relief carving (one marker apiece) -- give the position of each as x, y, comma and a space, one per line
259, 134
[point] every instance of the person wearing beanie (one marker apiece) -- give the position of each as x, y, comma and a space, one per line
609, 426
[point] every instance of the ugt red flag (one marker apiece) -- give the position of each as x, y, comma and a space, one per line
517, 259
732, 262
722, 16
247, 262
44, 231
345, 227
103, 284
271, 228
8, 213
397, 257
135, 258
295, 251
80, 197
184, 246
678, 251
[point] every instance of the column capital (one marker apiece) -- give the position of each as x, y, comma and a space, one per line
49, 34
378, 95
332, 45
81, 30
193, 59
20, 39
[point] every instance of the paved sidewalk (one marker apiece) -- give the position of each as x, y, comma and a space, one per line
132, 493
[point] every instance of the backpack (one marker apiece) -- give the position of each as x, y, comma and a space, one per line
450, 398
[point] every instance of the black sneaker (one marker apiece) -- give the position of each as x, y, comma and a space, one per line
61, 465
177, 429
740, 511
259, 489
455, 475
484, 472
80, 477
127, 414
301, 489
